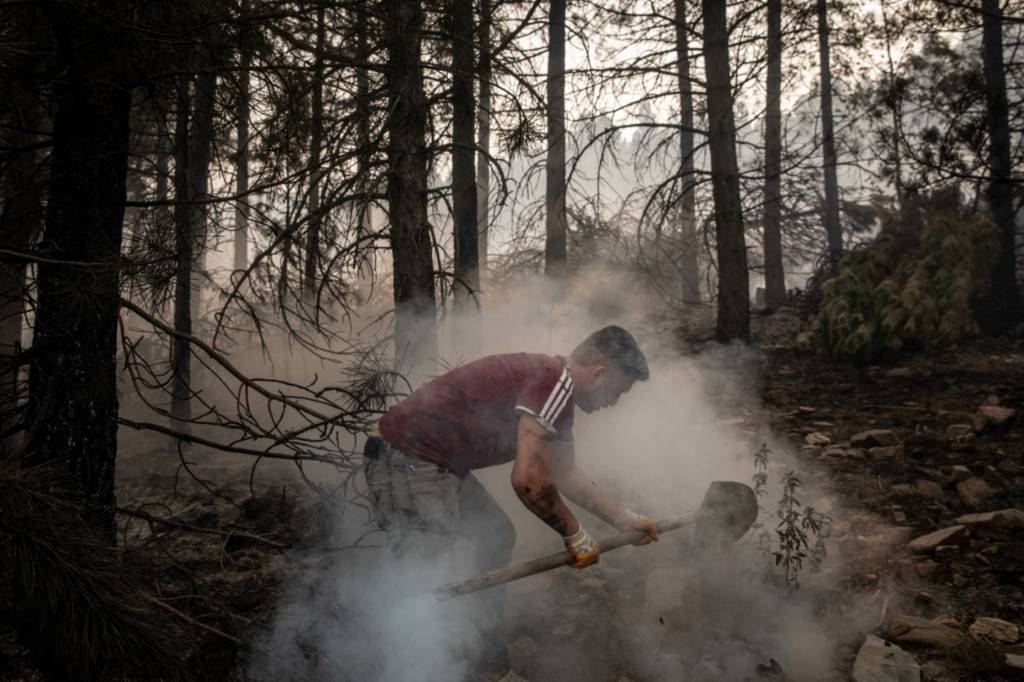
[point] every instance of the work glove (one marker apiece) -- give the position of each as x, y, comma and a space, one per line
630, 520
583, 548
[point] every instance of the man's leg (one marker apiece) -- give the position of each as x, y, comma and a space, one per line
492, 536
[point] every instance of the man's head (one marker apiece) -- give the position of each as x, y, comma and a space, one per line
604, 367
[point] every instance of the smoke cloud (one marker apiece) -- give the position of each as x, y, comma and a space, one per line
661, 612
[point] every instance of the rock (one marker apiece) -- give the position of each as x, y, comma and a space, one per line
817, 438
929, 489
960, 472
1006, 518
874, 438
921, 631
1009, 467
946, 619
954, 536
1015, 661
899, 372
973, 492
995, 629
926, 568
810, 450
845, 453
997, 416
978, 422
886, 452
882, 661
959, 431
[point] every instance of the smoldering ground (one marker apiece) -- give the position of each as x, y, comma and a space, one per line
661, 612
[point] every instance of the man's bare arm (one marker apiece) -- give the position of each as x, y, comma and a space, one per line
579, 487
531, 477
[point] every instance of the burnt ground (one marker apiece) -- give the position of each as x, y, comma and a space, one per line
219, 565
948, 464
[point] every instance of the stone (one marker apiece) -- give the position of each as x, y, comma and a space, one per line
1006, 518
817, 438
1015, 661
810, 450
899, 517
886, 452
960, 472
959, 431
1009, 467
995, 630
926, 568
954, 536
997, 416
875, 438
882, 661
973, 492
946, 619
930, 489
922, 631
843, 453
978, 422
899, 372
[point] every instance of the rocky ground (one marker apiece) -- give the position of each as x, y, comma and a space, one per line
925, 457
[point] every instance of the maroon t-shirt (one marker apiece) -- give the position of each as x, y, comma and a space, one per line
467, 419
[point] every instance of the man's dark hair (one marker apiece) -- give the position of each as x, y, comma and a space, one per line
617, 346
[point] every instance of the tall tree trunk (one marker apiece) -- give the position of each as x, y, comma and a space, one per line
895, 109
411, 244
774, 275
733, 287
241, 240
21, 221
1000, 189
690, 270
833, 231
483, 167
316, 135
200, 148
555, 250
181, 410
363, 155
72, 407
467, 274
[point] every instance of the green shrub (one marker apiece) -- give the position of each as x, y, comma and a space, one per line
906, 291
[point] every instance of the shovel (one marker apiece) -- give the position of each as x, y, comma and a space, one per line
728, 511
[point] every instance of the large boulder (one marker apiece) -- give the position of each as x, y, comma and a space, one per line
954, 536
922, 631
882, 661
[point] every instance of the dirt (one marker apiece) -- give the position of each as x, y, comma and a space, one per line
225, 582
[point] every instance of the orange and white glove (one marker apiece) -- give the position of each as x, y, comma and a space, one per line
583, 548
630, 520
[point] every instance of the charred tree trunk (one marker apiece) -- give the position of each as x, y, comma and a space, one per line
467, 274
241, 241
363, 155
316, 135
774, 275
833, 230
690, 270
1000, 189
415, 304
733, 294
21, 221
200, 147
555, 248
72, 407
483, 167
181, 411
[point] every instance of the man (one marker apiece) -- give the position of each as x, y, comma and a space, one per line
515, 407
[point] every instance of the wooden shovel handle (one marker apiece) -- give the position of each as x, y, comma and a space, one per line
546, 563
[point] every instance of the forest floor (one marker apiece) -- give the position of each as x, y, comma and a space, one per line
946, 461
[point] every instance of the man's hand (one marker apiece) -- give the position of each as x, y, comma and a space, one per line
630, 520
583, 547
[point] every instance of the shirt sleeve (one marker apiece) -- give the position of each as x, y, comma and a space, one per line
548, 398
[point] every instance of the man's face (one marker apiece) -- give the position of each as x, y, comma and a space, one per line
603, 386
